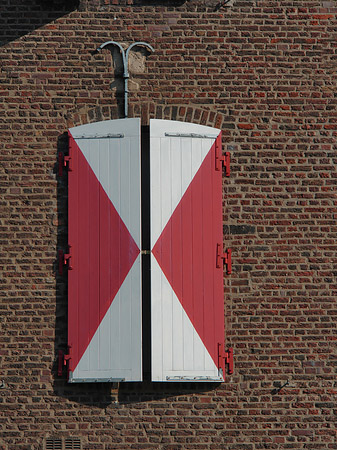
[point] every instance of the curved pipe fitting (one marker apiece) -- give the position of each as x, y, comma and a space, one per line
125, 58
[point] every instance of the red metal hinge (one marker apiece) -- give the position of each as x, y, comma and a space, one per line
229, 360
63, 161
225, 358
63, 360
64, 260
222, 160
225, 257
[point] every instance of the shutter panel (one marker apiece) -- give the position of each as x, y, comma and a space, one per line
104, 283
187, 297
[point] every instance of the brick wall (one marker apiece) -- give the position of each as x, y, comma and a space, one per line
265, 72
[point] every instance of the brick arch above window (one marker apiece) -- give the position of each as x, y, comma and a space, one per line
150, 110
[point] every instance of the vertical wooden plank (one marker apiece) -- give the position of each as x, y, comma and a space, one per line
198, 236
125, 344
99, 345
93, 248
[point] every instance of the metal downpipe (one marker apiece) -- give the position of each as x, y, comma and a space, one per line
125, 59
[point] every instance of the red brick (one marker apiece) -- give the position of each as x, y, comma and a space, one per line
245, 126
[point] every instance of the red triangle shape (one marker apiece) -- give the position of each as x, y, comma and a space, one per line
186, 252
103, 252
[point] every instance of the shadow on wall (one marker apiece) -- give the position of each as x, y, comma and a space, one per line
129, 393
214, 5
98, 394
159, 3
20, 17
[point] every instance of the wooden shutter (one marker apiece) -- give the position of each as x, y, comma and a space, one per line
186, 227
104, 282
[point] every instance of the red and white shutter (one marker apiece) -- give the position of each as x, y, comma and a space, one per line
104, 280
186, 227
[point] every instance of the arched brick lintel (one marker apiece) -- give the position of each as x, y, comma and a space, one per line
150, 110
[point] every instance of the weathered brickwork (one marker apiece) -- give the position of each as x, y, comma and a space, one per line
265, 72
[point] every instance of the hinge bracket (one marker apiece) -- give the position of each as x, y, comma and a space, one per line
222, 160
63, 360
226, 258
63, 161
64, 260
225, 358
229, 360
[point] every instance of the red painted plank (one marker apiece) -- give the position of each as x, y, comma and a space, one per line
93, 253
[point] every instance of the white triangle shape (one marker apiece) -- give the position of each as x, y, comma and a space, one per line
178, 352
115, 351
116, 163
174, 161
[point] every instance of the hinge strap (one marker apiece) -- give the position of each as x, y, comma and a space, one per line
222, 160
191, 135
220, 356
226, 258
99, 136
